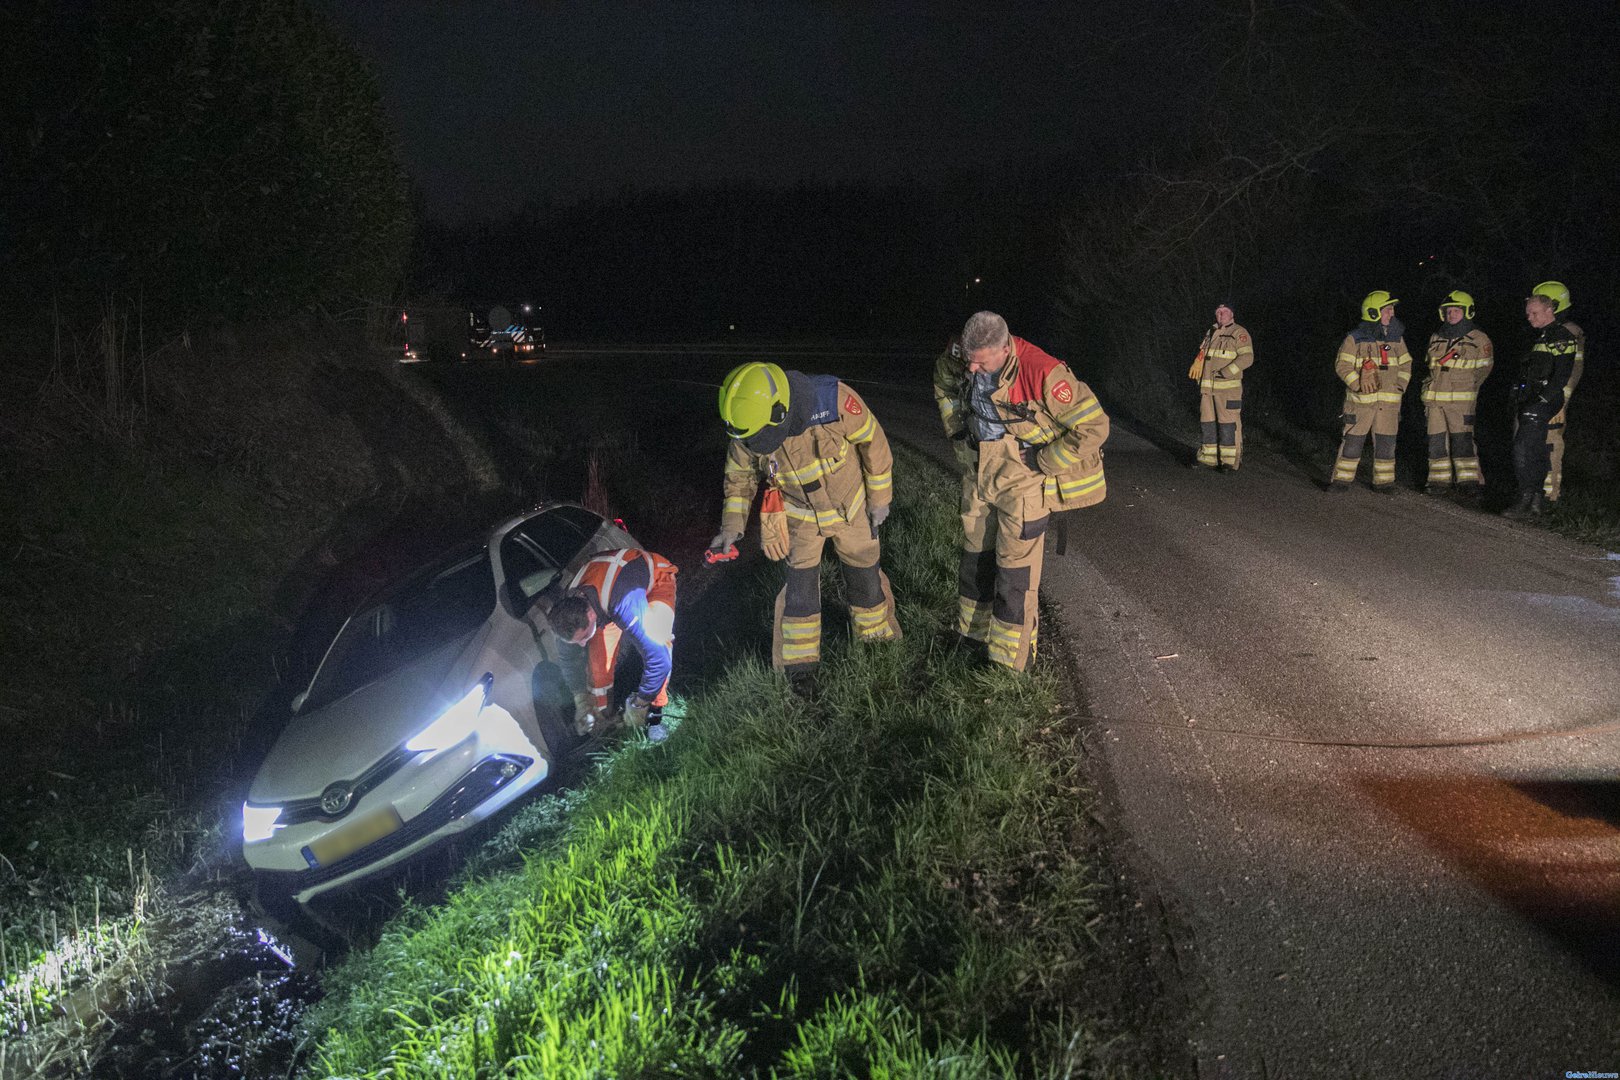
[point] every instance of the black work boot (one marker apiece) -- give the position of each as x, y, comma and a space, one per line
802, 681
1527, 508
977, 653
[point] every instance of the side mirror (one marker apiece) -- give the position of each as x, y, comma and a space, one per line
298, 701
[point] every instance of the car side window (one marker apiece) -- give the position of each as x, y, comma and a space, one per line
445, 602
528, 572
535, 552
558, 535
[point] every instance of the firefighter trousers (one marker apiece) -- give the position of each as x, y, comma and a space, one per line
1003, 541
1554, 484
796, 639
1220, 416
1452, 455
1381, 420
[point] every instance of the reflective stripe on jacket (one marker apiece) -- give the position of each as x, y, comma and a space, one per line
1043, 405
1390, 358
618, 583
1551, 363
1457, 366
828, 473
1228, 352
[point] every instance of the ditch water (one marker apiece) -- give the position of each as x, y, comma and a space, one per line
229, 1007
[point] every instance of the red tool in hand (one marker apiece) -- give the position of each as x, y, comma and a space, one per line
711, 556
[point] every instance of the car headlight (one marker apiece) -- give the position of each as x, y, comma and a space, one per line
455, 723
258, 822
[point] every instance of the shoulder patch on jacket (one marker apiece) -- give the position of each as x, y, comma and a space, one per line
853, 406
1064, 392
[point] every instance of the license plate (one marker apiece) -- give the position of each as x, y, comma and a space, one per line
341, 843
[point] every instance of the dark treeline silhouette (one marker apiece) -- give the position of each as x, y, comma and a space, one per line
1342, 149
193, 158
846, 260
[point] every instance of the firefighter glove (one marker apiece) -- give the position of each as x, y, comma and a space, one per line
1369, 378
723, 540
773, 526
878, 514
1031, 456
635, 711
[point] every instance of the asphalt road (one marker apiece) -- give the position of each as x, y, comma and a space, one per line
1373, 911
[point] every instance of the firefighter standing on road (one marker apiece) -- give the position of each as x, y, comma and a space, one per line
1540, 396
1460, 358
1558, 293
1223, 356
816, 444
1029, 435
1375, 367
617, 596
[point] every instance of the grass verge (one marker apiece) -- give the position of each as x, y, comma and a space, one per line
895, 880
156, 559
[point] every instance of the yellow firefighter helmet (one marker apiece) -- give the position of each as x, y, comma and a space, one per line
753, 397
1557, 292
1376, 301
1458, 298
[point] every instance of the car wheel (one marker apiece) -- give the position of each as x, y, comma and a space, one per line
554, 710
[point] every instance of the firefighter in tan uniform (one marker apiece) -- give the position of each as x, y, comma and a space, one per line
1558, 293
1029, 436
1224, 355
1460, 357
823, 454
1375, 367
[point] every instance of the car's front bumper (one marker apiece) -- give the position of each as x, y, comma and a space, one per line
485, 789
434, 795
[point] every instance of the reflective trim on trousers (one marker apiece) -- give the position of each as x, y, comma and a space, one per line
801, 640
871, 624
1005, 641
973, 616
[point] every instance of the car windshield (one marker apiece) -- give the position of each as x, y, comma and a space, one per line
433, 608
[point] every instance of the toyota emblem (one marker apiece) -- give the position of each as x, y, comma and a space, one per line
336, 798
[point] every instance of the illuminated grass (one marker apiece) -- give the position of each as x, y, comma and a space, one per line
892, 881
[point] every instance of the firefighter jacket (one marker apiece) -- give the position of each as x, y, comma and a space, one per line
1548, 368
1040, 402
1386, 348
618, 585
1460, 357
1228, 352
950, 375
829, 457
1580, 357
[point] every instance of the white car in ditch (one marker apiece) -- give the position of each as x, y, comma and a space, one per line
437, 704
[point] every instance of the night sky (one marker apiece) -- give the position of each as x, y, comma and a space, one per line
498, 104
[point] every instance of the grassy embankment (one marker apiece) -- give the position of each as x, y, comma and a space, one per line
161, 542
897, 879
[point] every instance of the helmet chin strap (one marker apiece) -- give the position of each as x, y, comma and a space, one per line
772, 435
